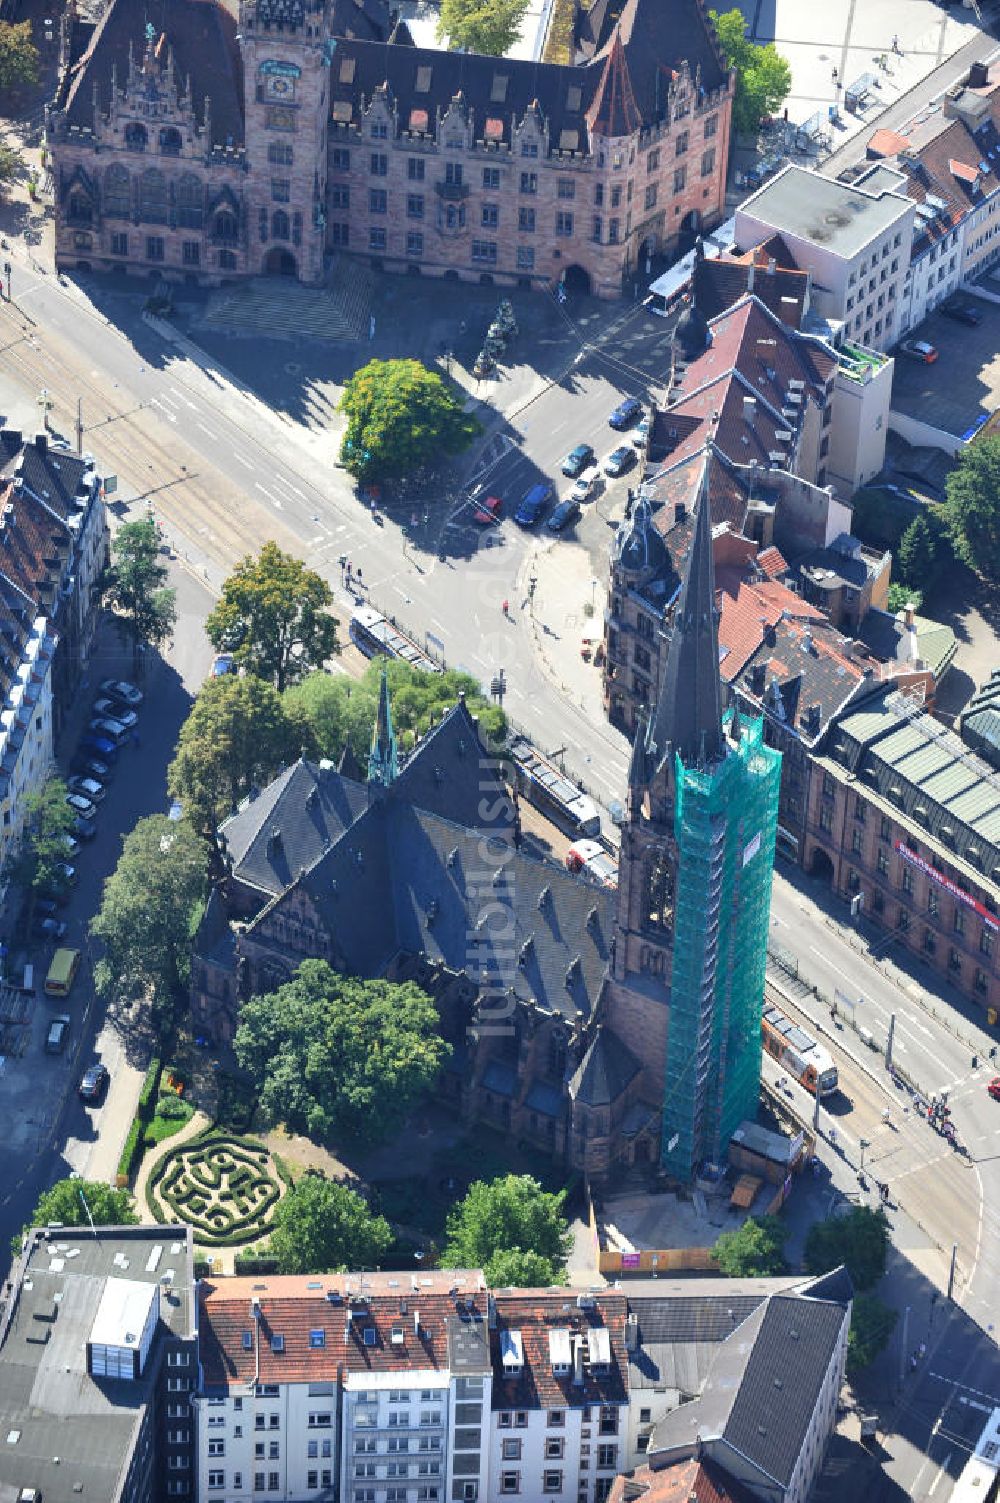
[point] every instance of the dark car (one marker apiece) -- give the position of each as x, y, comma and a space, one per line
48, 928
101, 747
565, 514
55, 1039
84, 829
577, 460
108, 730
113, 709
963, 313
619, 460
533, 504
120, 688
93, 1083
90, 767
626, 413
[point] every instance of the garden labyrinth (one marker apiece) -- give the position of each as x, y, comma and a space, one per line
224, 1187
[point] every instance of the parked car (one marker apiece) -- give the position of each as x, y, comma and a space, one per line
115, 711
81, 805
55, 1041
640, 437
963, 313
65, 873
120, 688
994, 1088
577, 460
70, 845
533, 504
582, 489
626, 413
223, 663
88, 787
92, 1085
619, 460
101, 746
488, 510
564, 515
90, 767
918, 349
48, 928
84, 829
110, 730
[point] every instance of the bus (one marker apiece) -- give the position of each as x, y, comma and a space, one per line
550, 790
372, 633
62, 973
797, 1052
591, 859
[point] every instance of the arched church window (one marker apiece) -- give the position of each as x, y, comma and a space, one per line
190, 202
170, 142
658, 898
154, 197
117, 193
224, 227
280, 226
136, 138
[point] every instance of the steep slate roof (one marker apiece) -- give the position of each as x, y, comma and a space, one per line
535, 1314
890, 640
944, 159
202, 35
605, 1070
679, 1337
50, 475
805, 665
310, 805
448, 773
613, 110
979, 722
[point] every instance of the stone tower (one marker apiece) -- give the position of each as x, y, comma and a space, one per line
287, 50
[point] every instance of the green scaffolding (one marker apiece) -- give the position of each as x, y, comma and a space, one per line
725, 822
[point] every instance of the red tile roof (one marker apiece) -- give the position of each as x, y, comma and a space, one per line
689, 1481
887, 143
771, 562
746, 614
536, 1315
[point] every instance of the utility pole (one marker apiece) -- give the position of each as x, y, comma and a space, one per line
79, 426
903, 1338
888, 1042
863, 1143
951, 1270
816, 1111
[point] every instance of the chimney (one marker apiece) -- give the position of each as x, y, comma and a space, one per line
770, 635
749, 408
979, 76
41, 442
491, 1309
631, 1332
757, 677
680, 512
909, 613
416, 1324
772, 266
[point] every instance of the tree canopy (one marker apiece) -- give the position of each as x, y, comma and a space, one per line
145, 610
10, 162
237, 735
334, 1055
924, 550
18, 55
48, 820
872, 1323
763, 76
972, 507
753, 1250
859, 1240
149, 911
64, 1203
514, 1222
400, 416
274, 617
487, 26
341, 712
321, 1226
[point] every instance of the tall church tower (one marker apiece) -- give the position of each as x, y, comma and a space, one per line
287, 51
687, 980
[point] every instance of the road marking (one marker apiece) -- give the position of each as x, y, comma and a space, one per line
994, 1399
280, 480
245, 462
206, 430
165, 401
943, 1468
155, 402
186, 400
272, 498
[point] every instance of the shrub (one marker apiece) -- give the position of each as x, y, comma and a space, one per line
172, 1107
220, 1186
150, 1087
131, 1152
254, 1262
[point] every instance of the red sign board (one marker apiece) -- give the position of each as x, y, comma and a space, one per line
942, 881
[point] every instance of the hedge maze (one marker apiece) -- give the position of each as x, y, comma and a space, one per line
223, 1186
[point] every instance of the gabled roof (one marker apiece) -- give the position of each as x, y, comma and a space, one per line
50, 475
613, 110
745, 615
535, 1314
447, 773
605, 1072
806, 667
308, 806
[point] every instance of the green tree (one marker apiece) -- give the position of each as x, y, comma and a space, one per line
10, 162
236, 736
487, 26
145, 610
872, 1323
321, 1226
333, 1054
274, 616
763, 77
64, 1203
972, 507
340, 712
504, 1216
400, 416
48, 820
859, 1240
754, 1250
511, 1268
900, 596
149, 911
18, 55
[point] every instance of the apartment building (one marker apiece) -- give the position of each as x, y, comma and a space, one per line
98, 1360
854, 242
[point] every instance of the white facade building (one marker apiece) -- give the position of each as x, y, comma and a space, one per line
855, 243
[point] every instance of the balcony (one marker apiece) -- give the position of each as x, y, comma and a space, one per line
452, 193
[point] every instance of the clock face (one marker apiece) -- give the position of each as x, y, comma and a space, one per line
279, 87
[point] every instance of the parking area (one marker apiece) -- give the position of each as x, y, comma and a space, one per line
961, 389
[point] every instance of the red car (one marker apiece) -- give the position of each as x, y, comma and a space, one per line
994, 1088
488, 510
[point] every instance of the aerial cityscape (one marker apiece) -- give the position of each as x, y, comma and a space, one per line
500, 751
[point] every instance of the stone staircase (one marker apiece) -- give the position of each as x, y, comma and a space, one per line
279, 308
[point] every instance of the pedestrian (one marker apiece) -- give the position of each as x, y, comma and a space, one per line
347, 567
506, 606
895, 45
357, 575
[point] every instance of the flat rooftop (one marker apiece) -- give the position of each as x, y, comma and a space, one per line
836, 216
61, 1431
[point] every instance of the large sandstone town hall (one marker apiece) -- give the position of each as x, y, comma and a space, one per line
206, 140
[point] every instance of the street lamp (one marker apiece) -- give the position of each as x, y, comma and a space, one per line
45, 405
863, 1143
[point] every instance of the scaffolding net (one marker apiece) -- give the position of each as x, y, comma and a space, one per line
725, 822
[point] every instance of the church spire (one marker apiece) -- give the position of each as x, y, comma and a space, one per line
382, 763
688, 714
